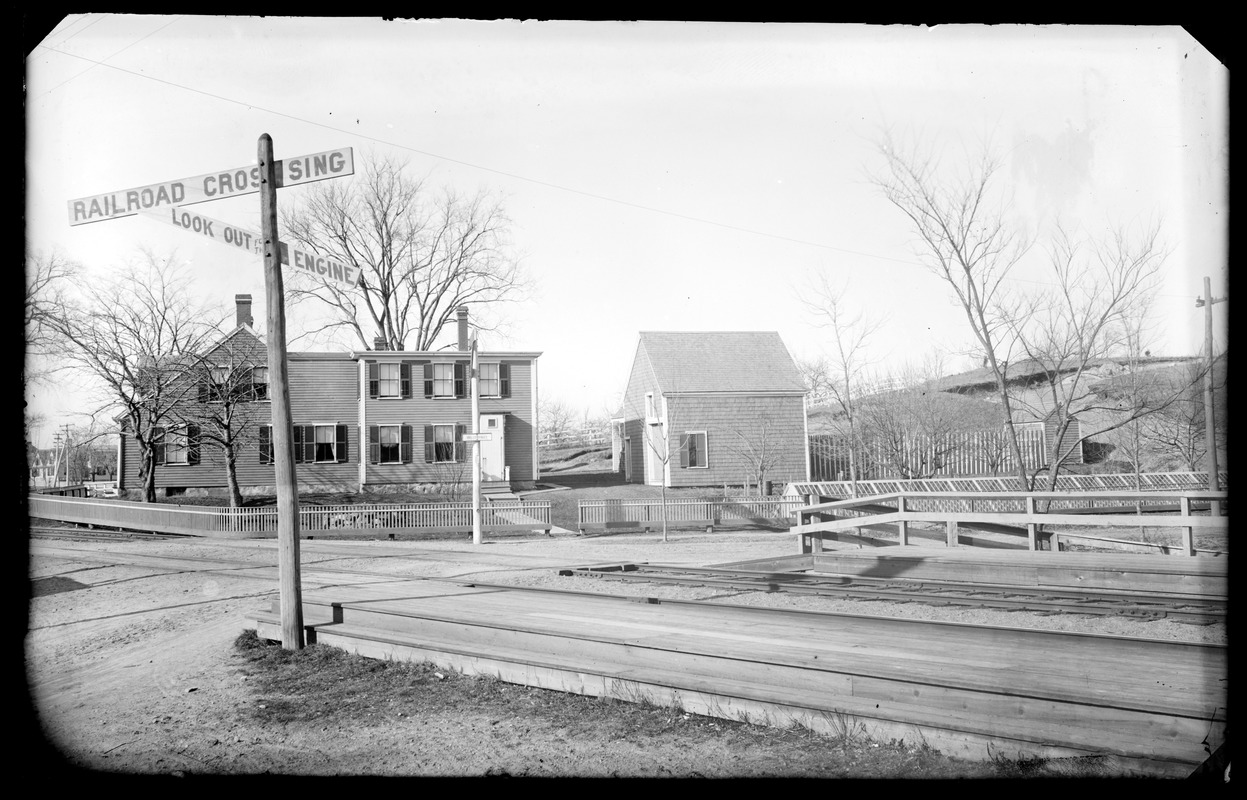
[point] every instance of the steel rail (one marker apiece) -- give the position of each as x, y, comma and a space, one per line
1198, 611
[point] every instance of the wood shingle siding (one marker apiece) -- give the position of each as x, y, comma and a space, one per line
723, 391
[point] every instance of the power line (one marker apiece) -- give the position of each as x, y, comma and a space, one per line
494, 171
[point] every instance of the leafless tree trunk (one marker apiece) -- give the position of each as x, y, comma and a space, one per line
421, 255
137, 336
967, 240
844, 370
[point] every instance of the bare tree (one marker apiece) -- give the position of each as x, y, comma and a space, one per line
47, 279
913, 429
229, 379
841, 373
967, 240
758, 446
555, 420
138, 336
1102, 291
421, 254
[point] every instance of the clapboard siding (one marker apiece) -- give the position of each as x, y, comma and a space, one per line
731, 421
325, 388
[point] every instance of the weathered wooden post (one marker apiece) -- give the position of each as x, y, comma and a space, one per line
1032, 530
950, 533
290, 591
903, 525
1188, 533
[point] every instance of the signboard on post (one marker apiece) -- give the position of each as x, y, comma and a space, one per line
163, 200
484, 436
328, 269
212, 186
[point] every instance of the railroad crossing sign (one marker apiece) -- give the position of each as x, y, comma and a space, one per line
327, 269
212, 186
264, 178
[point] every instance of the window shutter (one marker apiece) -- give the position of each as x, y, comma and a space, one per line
504, 380
158, 445
203, 392
459, 442
192, 444
428, 381
297, 434
404, 375
340, 446
404, 447
374, 444
309, 444
428, 444
460, 371
684, 451
266, 444
373, 380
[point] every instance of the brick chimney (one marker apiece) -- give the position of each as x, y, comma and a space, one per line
465, 343
379, 343
243, 304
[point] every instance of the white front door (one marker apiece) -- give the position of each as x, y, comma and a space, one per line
493, 450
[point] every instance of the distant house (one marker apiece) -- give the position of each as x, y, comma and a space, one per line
711, 408
362, 420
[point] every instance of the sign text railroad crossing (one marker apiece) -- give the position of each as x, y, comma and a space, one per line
213, 186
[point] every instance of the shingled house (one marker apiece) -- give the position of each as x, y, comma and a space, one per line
362, 420
712, 408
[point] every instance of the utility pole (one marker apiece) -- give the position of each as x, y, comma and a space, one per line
57, 449
1210, 432
290, 595
476, 447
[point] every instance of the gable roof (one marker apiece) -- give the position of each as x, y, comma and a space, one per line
720, 361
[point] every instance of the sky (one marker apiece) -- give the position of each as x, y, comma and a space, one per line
658, 175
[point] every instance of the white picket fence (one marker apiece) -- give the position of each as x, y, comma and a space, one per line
208, 521
687, 513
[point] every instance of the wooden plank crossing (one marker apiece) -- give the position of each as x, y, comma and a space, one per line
963, 688
1205, 577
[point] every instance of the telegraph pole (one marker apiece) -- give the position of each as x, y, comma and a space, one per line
291, 593
1210, 431
476, 448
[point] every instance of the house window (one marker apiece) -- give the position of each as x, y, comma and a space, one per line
390, 440
650, 416
443, 444
443, 380
490, 384
259, 383
177, 447
326, 442
693, 452
389, 380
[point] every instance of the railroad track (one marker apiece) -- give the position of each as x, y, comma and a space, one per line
1195, 610
96, 534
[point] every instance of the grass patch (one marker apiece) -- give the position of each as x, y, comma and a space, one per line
328, 687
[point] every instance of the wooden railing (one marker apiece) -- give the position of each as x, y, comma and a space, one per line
1148, 481
709, 513
1015, 513
205, 521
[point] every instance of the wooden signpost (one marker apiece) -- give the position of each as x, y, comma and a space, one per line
163, 201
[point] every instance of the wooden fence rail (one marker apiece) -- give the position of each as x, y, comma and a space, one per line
200, 521
608, 514
1149, 481
1018, 513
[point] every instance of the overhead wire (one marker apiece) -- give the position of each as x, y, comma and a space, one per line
492, 170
